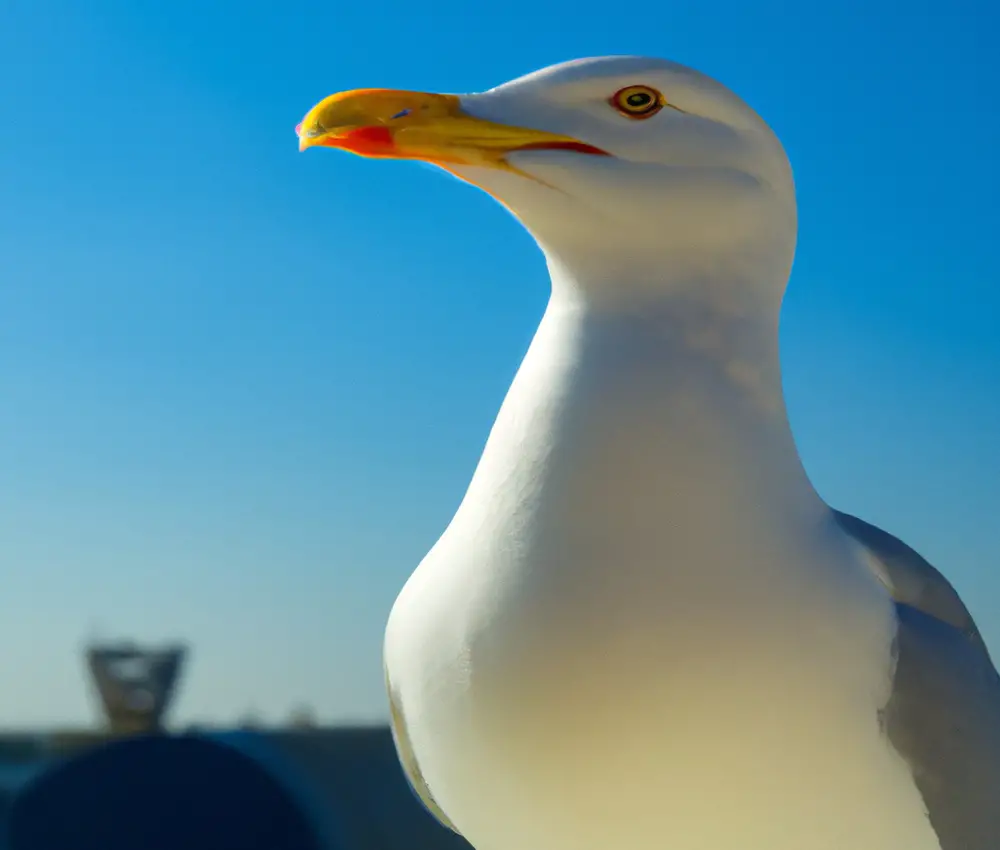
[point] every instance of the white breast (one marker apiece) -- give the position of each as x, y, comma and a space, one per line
638, 631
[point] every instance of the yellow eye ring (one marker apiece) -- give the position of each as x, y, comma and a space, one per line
637, 101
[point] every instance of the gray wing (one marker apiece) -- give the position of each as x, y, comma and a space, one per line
944, 713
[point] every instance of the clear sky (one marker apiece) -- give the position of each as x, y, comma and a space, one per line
242, 389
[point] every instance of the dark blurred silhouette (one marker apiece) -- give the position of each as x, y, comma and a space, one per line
159, 793
322, 789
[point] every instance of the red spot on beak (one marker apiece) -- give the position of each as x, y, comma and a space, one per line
298, 129
366, 141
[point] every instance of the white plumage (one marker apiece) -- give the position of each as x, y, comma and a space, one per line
643, 629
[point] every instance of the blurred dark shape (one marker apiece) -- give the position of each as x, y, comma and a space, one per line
350, 781
135, 685
250, 722
6, 802
344, 782
302, 718
159, 793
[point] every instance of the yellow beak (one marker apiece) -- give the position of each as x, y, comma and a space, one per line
415, 125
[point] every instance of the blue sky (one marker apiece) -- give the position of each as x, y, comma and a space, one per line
242, 389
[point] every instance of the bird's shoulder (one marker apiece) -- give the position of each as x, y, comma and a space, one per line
912, 580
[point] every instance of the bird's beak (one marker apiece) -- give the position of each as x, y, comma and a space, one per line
414, 125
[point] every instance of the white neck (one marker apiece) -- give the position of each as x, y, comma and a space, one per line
671, 411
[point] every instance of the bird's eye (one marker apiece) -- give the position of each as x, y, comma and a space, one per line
637, 101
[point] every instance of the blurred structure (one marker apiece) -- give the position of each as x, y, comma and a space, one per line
301, 787
302, 718
159, 793
350, 783
319, 789
135, 685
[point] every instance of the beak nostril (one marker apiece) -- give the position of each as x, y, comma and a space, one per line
401, 114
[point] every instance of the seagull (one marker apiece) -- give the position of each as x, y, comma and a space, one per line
643, 628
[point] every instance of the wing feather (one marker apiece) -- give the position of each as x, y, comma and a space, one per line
944, 713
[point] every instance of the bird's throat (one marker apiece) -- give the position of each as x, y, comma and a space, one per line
616, 422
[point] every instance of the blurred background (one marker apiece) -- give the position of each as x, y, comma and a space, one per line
242, 390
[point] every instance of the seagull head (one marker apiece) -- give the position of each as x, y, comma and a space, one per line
616, 165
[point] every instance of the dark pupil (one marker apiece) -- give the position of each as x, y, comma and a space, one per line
638, 99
